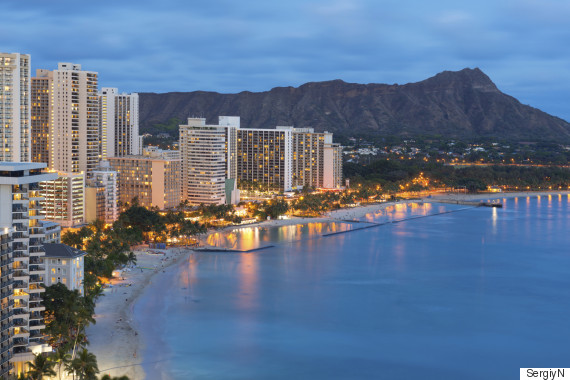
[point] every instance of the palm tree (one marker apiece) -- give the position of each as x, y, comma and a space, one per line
84, 366
61, 358
40, 367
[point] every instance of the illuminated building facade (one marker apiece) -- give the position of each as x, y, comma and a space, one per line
64, 265
15, 110
207, 153
64, 199
102, 195
41, 116
119, 118
155, 181
22, 264
74, 118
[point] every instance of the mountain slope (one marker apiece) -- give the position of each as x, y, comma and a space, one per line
461, 104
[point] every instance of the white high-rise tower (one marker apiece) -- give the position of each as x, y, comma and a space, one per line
15, 107
119, 117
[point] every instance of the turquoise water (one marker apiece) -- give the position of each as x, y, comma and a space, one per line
472, 294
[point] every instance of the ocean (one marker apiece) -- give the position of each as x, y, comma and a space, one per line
470, 293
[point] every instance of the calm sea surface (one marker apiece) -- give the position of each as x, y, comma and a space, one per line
473, 294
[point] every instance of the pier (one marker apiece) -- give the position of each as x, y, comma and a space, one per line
468, 203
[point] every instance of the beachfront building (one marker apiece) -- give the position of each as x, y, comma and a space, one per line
64, 199
15, 107
332, 169
154, 180
23, 270
119, 118
207, 159
6, 304
102, 195
264, 157
73, 109
64, 264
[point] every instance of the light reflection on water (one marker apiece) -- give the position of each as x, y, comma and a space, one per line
436, 298
254, 237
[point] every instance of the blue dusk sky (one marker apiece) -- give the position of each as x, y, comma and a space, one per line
253, 45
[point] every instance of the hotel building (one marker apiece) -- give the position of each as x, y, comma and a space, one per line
265, 156
64, 199
280, 159
315, 163
74, 118
41, 116
119, 118
152, 178
23, 269
64, 265
102, 195
207, 153
15, 107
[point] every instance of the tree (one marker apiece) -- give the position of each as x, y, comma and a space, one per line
60, 357
276, 208
84, 366
108, 377
40, 367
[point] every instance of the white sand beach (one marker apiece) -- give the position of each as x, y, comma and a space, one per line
116, 342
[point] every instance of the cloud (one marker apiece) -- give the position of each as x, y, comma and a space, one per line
229, 46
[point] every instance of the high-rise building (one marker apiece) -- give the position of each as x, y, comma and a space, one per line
15, 107
119, 118
313, 165
280, 159
41, 116
102, 195
64, 199
151, 178
6, 293
207, 153
264, 157
74, 118
23, 270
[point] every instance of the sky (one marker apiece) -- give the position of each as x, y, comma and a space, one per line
231, 46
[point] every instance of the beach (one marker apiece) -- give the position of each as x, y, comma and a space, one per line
114, 339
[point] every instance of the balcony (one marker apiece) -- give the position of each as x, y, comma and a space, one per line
19, 273
37, 268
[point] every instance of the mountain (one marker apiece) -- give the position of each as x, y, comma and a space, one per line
458, 104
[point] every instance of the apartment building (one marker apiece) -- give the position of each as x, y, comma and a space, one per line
155, 181
6, 295
15, 107
64, 199
102, 195
265, 157
40, 119
207, 159
73, 107
64, 264
119, 118
23, 271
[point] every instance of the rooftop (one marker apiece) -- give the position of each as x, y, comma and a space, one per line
60, 250
17, 166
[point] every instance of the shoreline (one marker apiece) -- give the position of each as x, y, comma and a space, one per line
114, 338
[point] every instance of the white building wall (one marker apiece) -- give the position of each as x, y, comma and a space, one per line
15, 107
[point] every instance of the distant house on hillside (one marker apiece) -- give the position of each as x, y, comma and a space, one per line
64, 264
